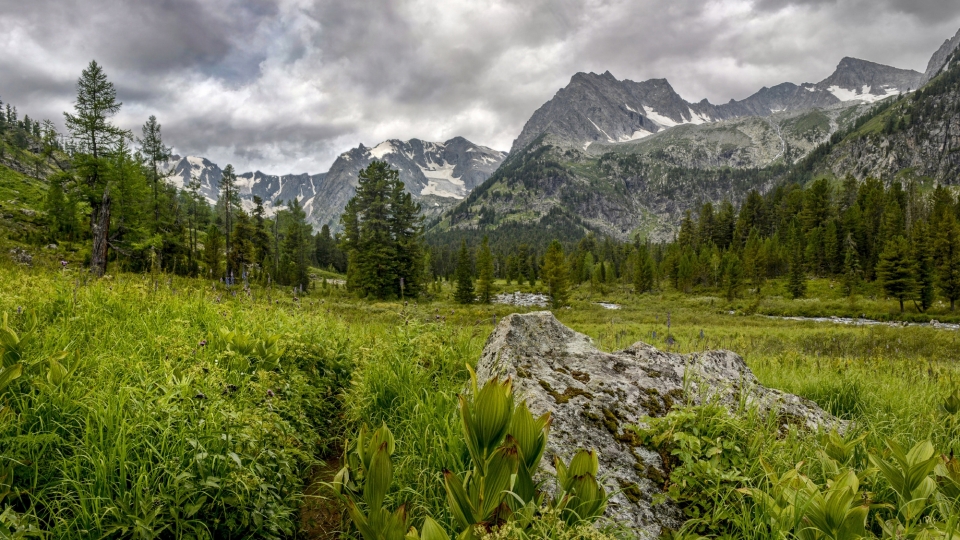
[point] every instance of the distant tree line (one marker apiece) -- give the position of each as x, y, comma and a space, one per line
109, 189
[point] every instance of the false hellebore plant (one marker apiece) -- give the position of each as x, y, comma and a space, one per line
505, 443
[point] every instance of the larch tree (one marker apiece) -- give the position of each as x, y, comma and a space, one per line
90, 127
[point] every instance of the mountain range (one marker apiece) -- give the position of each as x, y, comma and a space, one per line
623, 158
615, 156
437, 174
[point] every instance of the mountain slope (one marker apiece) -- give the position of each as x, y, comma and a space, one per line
624, 158
599, 108
939, 59
438, 174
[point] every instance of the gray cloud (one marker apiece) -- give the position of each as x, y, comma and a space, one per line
286, 85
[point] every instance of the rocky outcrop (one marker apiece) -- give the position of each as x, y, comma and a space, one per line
593, 396
939, 59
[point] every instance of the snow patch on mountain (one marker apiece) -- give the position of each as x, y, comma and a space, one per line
382, 149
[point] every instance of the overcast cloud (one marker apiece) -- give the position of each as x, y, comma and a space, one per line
286, 85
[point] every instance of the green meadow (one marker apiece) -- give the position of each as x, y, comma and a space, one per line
151, 406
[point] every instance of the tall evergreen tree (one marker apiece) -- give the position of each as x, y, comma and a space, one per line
155, 154
213, 251
261, 238
382, 234
851, 266
643, 274
90, 126
243, 252
797, 281
464, 293
896, 270
484, 272
297, 248
948, 258
230, 199
923, 262
555, 275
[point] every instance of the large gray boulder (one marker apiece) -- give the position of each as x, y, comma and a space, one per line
593, 395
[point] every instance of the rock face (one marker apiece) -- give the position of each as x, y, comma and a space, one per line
939, 59
592, 395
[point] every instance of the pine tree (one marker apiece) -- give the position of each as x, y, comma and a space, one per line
243, 252
382, 236
484, 272
261, 238
555, 275
733, 275
155, 154
296, 251
851, 266
230, 200
643, 272
91, 128
948, 258
324, 250
464, 293
797, 281
923, 262
896, 270
213, 250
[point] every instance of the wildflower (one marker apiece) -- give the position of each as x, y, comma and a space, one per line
63, 264
203, 343
200, 395
270, 393
19, 310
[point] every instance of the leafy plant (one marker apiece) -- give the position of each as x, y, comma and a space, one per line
245, 353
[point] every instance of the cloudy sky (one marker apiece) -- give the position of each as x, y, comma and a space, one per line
286, 85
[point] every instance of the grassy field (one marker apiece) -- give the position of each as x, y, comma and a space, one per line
154, 424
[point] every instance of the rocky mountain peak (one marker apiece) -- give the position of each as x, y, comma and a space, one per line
940, 58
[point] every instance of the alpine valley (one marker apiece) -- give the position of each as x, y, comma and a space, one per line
622, 158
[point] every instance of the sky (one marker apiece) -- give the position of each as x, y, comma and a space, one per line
284, 86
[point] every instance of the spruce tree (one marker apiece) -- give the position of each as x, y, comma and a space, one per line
896, 270
948, 258
464, 293
733, 275
484, 272
90, 127
555, 275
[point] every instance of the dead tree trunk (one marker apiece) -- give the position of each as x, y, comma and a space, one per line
100, 229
